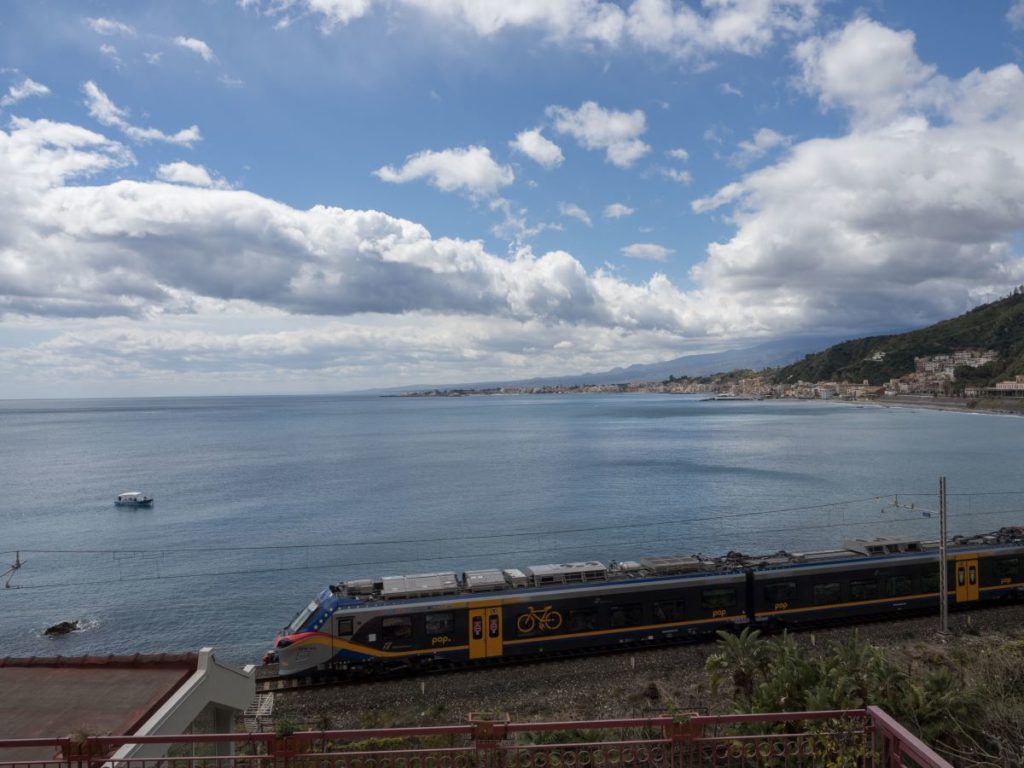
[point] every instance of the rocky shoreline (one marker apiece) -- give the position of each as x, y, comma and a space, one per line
626, 684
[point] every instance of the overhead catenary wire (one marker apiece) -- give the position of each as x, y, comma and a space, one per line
359, 564
480, 537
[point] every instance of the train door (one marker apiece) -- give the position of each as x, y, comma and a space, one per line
966, 579
485, 632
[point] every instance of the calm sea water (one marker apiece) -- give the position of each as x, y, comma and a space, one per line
260, 502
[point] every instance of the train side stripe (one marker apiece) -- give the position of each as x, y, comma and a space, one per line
622, 630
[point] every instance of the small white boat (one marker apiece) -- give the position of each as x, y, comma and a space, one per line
133, 499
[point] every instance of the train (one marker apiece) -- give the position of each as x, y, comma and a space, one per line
492, 615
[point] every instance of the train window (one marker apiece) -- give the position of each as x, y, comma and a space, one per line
1008, 568
396, 630
345, 627
826, 594
673, 610
930, 582
712, 599
900, 585
439, 623
780, 593
582, 620
863, 590
625, 615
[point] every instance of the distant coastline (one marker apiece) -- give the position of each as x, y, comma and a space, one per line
1001, 406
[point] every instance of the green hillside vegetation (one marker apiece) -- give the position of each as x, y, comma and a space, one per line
998, 326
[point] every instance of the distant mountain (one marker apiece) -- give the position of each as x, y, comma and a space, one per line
770, 354
998, 326
766, 355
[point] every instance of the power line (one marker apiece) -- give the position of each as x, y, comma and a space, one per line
490, 536
482, 537
369, 563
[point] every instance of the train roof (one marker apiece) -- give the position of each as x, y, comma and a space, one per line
569, 574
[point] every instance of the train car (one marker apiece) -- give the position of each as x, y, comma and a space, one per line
491, 615
886, 577
432, 619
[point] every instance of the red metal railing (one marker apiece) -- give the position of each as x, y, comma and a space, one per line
858, 738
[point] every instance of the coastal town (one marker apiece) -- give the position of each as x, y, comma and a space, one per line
934, 376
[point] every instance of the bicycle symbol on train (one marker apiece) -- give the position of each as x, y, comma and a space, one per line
545, 619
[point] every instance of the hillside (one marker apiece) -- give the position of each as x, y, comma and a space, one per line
998, 326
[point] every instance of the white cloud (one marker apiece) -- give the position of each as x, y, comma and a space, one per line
196, 46
107, 113
902, 220
673, 29
335, 12
515, 226
597, 128
153, 57
468, 169
110, 51
538, 148
151, 249
680, 175
618, 211
761, 144
574, 211
1016, 14
104, 26
187, 173
651, 251
23, 90
730, 90
866, 67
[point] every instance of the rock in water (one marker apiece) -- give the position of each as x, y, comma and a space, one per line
62, 628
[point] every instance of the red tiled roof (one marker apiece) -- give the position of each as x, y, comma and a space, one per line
55, 696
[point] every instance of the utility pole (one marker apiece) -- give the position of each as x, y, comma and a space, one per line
943, 571
9, 573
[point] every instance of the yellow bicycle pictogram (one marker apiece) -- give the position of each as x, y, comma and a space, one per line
543, 620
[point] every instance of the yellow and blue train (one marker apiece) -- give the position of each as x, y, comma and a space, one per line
503, 614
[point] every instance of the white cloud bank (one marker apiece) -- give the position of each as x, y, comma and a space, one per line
909, 217
142, 248
672, 28
466, 169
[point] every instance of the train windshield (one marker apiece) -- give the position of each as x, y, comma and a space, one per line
303, 616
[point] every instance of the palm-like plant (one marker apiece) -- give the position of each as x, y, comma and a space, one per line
740, 658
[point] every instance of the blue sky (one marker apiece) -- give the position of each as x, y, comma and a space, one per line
326, 195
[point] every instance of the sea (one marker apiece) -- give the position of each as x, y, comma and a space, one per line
261, 502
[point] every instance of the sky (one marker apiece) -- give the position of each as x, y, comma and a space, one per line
316, 196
